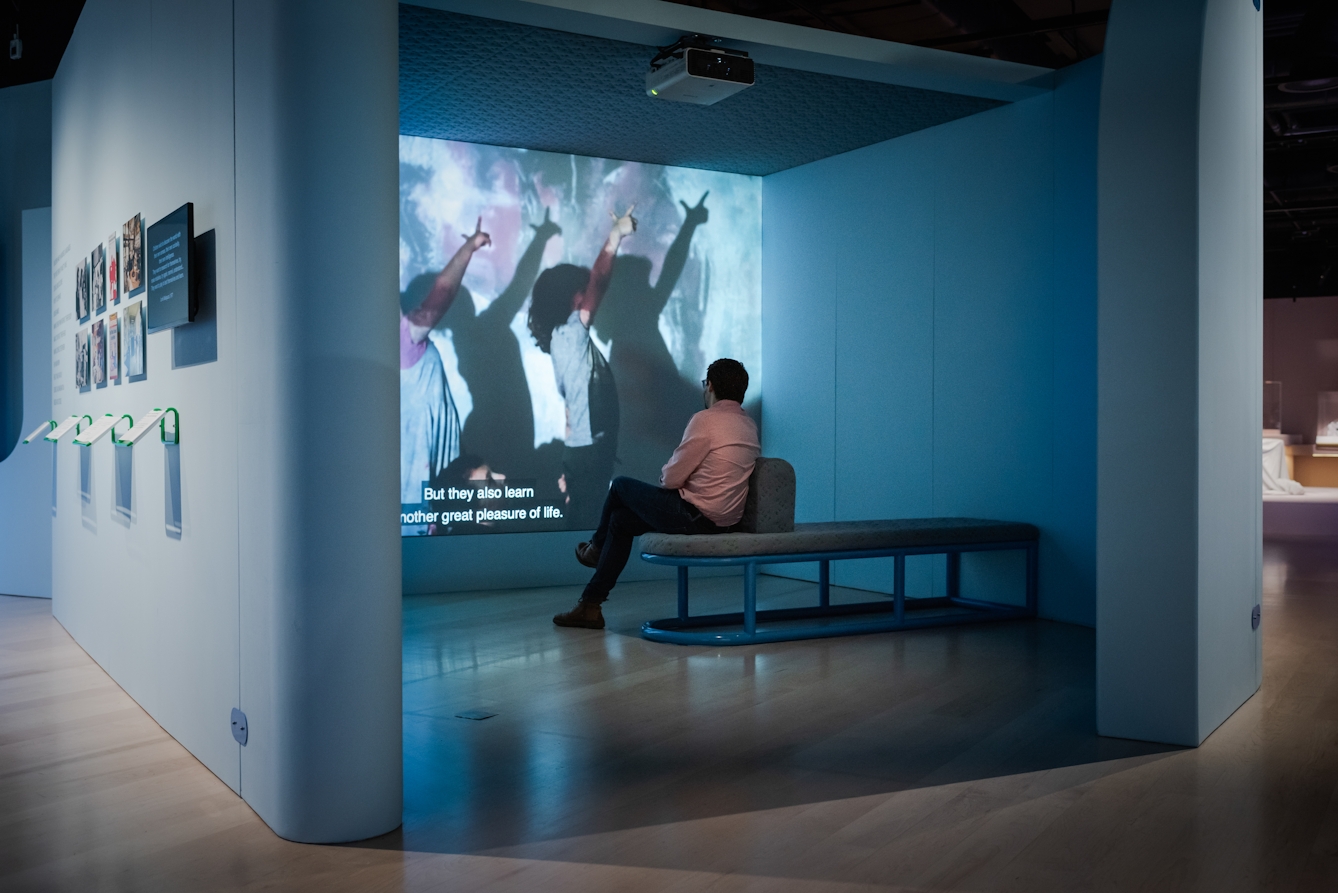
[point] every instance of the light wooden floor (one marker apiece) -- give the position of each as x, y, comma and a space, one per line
934, 760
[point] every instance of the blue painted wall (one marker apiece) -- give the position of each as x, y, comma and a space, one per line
929, 333
26, 489
25, 183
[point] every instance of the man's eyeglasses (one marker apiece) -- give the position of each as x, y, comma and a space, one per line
706, 382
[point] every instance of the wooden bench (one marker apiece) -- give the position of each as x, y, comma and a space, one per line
768, 535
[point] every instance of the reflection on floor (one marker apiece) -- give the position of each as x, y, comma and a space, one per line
960, 759
602, 734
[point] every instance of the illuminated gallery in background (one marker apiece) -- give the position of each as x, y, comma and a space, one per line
546, 372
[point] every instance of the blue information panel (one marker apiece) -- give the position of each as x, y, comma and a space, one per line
170, 262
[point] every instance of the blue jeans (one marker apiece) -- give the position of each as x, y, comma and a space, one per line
632, 508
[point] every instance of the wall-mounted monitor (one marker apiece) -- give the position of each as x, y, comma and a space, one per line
170, 267
534, 364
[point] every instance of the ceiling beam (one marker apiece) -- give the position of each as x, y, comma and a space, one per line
1036, 26
827, 20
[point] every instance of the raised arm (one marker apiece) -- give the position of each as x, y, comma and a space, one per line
587, 300
677, 255
509, 301
427, 314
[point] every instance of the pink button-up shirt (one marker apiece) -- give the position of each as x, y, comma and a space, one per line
710, 468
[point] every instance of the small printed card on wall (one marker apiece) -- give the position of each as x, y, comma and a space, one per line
82, 365
170, 270
100, 353
113, 268
83, 305
113, 349
99, 279
133, 342
132, 257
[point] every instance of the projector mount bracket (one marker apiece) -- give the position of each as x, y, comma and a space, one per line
691, 41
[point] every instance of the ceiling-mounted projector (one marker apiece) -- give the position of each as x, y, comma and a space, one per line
702, 75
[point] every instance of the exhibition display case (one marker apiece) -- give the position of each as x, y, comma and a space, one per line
1273, 406
1326, 422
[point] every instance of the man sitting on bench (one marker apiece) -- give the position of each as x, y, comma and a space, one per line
704, 488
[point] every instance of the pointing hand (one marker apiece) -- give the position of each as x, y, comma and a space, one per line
547, 229
698, 214
478, 238
625, 225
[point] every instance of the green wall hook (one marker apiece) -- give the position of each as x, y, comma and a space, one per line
116, 440
176, 426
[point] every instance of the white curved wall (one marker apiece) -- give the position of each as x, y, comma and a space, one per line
317, 188
1180, 275
280, 593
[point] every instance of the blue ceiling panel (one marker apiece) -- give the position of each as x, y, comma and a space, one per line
484, 81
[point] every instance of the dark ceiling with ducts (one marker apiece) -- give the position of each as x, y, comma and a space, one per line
33, 34
1300, 148
1048, 33
1300, 130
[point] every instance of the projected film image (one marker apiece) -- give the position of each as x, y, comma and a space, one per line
557, 314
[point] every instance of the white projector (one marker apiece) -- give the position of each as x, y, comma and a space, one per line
700, 76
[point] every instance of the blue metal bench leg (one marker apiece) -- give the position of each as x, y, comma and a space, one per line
750, 598
899, 586
1032, 562
824, 583
682, 592
954, 574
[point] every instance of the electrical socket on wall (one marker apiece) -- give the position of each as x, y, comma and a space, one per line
239, 726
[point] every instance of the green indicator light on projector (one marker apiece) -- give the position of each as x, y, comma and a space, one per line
654, 92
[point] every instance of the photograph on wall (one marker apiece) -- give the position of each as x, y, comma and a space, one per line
132, 257
113, 258
113, 349
99, 280
100, 353
557, 315
81, 360
83, 306
132, 336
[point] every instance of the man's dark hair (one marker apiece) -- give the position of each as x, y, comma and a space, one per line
729, 379
550, 303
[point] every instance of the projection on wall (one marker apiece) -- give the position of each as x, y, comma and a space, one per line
546, 345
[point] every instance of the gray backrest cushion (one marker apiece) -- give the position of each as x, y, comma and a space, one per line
770, 505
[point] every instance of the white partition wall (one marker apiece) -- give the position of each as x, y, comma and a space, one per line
149, 591
1180, 341
256, 565
318, 249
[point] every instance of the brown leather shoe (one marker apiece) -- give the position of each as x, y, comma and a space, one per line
585, 615
587, 554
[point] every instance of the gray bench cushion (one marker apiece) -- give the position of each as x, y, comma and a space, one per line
839, 536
